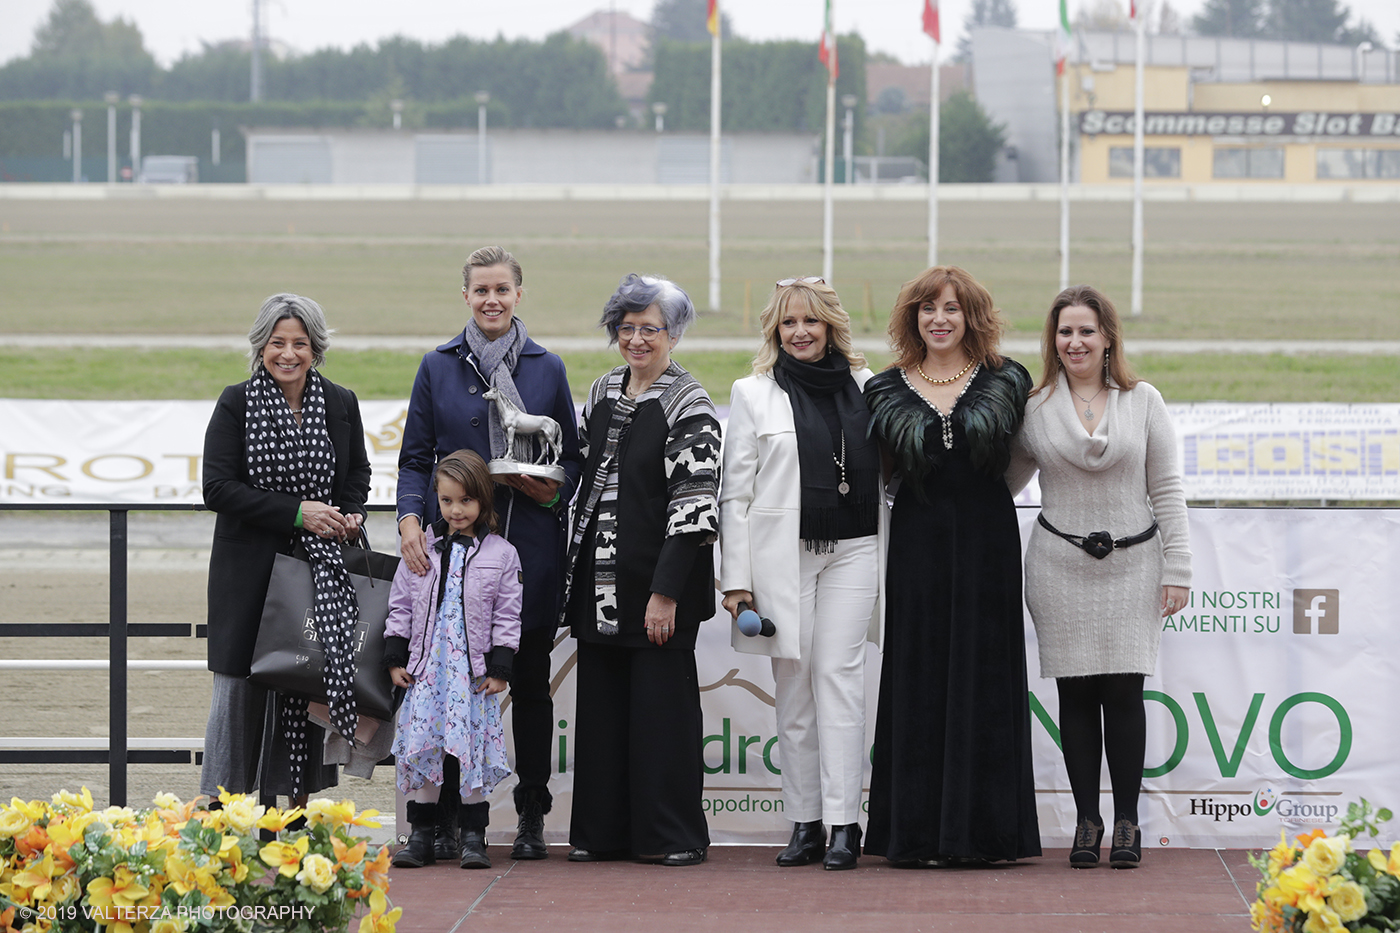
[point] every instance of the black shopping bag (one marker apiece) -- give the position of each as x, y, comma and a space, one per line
288, 656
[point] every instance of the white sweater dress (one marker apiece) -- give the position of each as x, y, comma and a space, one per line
1101, 616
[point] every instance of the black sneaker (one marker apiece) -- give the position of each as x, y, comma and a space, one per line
1127, 845
1088, 835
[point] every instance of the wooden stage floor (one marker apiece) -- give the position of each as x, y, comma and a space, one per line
741, 890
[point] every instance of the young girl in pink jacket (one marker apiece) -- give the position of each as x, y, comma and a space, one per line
450, 639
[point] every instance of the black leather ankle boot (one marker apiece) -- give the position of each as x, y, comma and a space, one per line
472, 823
807, 845
844, 848
419, 851
531, 804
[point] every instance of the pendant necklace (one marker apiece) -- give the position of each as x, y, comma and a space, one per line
842, 487
1088, 410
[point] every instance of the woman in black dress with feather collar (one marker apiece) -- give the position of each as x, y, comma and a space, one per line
952, 776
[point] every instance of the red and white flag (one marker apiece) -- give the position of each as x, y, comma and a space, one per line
931, 20
827, 52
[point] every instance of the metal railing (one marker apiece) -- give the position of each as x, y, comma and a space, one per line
119, 749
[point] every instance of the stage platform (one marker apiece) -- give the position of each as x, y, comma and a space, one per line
740, 890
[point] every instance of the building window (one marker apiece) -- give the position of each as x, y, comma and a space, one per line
1156, 162
1249, 163
1358, 163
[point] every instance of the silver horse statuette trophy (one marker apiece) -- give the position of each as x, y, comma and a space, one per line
535, 442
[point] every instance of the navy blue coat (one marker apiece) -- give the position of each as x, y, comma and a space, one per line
446, 412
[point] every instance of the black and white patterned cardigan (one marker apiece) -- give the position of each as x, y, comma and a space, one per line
655, 516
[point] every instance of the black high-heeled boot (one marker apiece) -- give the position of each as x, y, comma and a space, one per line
844, 848
472, 820
808, 843
419, 851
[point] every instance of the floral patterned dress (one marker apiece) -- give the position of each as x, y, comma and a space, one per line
444, 712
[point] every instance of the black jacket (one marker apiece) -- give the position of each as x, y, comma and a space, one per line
254, 524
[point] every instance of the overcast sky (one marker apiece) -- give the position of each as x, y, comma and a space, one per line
174, 27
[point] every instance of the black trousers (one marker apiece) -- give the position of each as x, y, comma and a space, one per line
638, 772
531, 707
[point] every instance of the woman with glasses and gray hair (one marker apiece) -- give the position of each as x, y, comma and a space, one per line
641, 580
799, 519
284, 463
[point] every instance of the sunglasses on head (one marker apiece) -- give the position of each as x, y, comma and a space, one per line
805, 280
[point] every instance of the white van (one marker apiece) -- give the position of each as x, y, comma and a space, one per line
169, 170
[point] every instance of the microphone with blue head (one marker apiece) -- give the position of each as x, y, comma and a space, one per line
751, 623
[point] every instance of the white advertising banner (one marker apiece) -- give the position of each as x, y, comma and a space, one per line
1269, 708
79, 451
150, 452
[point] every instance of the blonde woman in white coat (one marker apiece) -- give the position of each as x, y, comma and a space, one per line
800, 512
1110, 489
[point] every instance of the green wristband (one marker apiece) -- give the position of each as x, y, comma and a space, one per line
552, 502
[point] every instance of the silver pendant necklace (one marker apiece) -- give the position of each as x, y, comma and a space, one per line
1088, 410
842, 487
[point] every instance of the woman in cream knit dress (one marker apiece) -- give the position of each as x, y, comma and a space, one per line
1108, 463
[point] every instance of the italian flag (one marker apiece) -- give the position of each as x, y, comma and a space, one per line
712, 18
1063, 39
827, 53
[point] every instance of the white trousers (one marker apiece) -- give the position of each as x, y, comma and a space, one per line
821, 694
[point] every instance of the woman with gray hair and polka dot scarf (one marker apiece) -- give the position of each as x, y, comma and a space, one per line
284, 463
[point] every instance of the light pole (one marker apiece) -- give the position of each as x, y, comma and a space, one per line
397, 106
659, 109
77, 116
849, 102
1361, 51
111, 98
482, 99
135, 101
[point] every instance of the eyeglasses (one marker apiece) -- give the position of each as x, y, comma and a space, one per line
648, 331
805, 280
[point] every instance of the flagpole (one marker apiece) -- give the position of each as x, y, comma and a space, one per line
1062, 69
827, 234
1139, 24
1064, 173
714, 161
933, 130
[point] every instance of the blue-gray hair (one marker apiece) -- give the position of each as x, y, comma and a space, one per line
280, 307
636, 293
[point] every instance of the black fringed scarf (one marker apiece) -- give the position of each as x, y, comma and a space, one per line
817, 449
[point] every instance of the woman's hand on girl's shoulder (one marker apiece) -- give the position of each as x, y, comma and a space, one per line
491, 686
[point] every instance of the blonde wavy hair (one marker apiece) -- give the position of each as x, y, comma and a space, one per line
824, 304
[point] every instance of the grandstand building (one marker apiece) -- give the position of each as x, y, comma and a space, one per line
1215, 110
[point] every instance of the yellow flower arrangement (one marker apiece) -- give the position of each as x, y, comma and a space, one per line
1322, 885
178, 867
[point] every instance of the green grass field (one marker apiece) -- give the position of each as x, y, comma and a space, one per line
173, 267
194, 374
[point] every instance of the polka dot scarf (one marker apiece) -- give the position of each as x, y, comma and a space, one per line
298, 459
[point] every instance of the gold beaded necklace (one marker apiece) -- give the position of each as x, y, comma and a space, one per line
943, 382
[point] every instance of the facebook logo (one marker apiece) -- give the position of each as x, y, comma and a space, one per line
1315, 610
